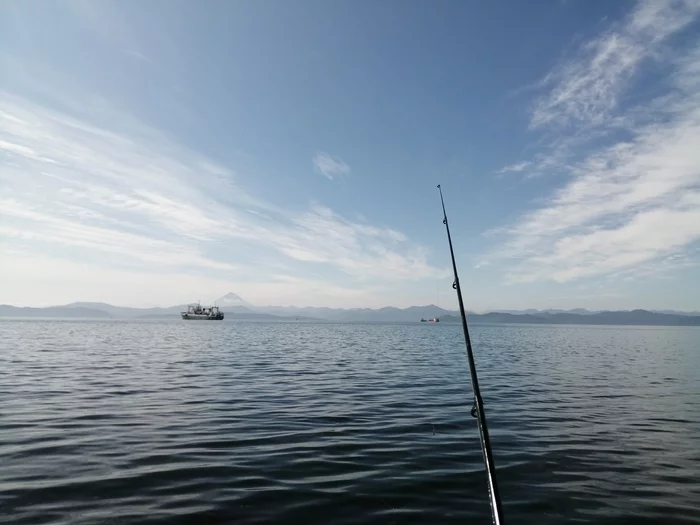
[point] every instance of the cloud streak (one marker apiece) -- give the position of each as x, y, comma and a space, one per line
631, 203
587, 89
329, 166
133, 201
515, 168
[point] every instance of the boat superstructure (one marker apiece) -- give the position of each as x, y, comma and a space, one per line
196, 312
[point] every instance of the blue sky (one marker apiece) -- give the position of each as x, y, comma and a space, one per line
155, 153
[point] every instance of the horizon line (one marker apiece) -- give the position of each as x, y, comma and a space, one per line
431, 305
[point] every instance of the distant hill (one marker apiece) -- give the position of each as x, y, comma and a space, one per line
149, 313
125, 311
232, 300
633, 317
105, 311
387, 314
532, 311
675, 312
233, 316
237, 308
51, 311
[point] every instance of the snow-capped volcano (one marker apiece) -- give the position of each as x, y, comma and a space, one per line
232, 299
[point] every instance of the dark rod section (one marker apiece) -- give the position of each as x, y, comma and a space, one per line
478, 408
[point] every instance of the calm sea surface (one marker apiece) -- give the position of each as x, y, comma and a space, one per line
248, 422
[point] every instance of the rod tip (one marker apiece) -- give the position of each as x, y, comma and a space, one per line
438, 185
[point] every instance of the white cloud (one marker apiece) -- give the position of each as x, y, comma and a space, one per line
588, 88
329, 166
138, 55
515, 168
132, 201
80, 280
629, 204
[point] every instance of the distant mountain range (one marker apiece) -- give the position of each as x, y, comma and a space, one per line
632, 317
238, 308
583, 311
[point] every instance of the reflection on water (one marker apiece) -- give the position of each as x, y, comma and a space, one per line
235, 422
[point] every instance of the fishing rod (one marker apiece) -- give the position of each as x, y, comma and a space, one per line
478, 407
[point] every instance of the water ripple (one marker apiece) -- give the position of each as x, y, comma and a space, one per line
234, 422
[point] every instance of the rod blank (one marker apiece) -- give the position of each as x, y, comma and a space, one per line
478, 407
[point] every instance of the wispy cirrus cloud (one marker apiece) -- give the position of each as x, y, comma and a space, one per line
139, 56
588, 88
630, 203
132, 201
330, 166
515, 168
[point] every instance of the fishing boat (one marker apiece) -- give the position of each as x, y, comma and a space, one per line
195, 312
431, 320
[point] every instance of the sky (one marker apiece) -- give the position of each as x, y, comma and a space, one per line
163, 152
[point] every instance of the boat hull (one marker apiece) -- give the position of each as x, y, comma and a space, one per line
199, 317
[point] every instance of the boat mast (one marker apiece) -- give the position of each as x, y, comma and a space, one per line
478, 406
